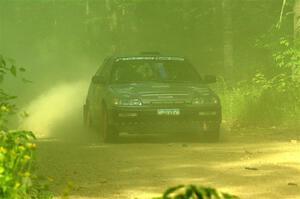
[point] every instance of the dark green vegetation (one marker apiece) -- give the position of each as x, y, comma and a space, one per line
17, 149
194, 192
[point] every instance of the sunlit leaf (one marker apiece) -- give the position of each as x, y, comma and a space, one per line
22, 69
13, 70
1, 170
2, 62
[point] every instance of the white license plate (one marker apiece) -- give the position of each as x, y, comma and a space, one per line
172, 112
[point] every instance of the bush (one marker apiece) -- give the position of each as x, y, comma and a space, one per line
265, 99
17, 149
194, 192
16, 163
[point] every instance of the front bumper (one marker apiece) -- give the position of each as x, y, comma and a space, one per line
147, 119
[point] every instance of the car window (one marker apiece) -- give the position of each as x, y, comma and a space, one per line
104, 70
153, 70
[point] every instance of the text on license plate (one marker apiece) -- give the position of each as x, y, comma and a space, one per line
168, 112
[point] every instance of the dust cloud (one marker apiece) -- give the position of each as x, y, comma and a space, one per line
54, 106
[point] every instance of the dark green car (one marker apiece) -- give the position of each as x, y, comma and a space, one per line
152, 94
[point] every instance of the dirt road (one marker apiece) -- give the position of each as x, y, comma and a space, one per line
253, 164
144, 167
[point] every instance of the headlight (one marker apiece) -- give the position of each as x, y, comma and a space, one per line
207, 100
198, 101
128, 102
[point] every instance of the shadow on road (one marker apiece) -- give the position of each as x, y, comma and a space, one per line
143, 168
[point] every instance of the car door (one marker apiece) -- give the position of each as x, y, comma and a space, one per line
98, 90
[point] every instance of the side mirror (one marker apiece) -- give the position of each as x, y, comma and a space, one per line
98, 80
209, 79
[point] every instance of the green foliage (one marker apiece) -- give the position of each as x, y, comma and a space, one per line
7, 66
16, 155
7, 107
269, 97
17, 180
194, 192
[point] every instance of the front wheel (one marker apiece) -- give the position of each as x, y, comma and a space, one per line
109, 133
212, 132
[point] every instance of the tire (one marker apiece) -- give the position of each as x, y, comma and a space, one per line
108, 132
212, 134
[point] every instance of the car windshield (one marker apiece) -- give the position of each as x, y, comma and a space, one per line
137, 71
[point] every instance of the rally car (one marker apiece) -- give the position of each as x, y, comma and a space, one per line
151, 93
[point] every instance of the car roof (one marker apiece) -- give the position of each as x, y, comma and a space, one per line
136, 58
147, 56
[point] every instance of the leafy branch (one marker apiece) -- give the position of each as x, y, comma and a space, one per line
194, 192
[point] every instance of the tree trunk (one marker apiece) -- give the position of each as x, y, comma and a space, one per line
1, 23
87, 25
297, 21
113, 25
227, 39
87, 8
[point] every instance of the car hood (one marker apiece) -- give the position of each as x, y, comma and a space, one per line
162, 92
